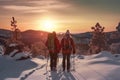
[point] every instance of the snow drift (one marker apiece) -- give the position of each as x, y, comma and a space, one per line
9, 68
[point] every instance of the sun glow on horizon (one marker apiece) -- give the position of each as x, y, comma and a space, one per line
47, 25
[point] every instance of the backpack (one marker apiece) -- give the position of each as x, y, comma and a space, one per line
51, 43
67, 43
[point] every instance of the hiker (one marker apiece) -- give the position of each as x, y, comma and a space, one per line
53, 46
68, 47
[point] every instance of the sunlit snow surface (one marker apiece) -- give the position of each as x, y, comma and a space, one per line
102, 66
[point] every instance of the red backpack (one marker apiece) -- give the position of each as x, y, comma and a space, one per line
67, 43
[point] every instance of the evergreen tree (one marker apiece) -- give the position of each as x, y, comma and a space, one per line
15, 39
98, 41
16, 32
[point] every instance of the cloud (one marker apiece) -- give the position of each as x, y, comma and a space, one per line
6, 0
33, 6
14, 7
61, 7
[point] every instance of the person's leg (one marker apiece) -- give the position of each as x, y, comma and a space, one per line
68, 62
51, 61
55, 60
63, 62
54, 57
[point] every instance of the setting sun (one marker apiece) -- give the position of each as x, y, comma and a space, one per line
48, 24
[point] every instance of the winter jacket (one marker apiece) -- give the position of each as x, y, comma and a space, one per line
56, 45
67, 45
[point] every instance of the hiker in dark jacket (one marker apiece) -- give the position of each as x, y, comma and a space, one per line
53, 46
68, 47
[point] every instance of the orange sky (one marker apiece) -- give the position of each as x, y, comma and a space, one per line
60, 15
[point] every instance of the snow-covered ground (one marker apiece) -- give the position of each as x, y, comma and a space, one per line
102, 66
1, 50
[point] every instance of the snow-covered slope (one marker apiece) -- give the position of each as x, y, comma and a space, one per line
102, 66
1, 50
9, 68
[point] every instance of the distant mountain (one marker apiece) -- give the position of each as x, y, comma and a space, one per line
83, 35
31, 36
33, 33
5, 33
27, 33
28, 36
89, 34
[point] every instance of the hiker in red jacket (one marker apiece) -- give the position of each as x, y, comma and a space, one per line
68, 47
53, 46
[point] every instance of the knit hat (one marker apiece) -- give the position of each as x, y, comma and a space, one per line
67, 32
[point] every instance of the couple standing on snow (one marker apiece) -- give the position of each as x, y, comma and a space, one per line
54, 47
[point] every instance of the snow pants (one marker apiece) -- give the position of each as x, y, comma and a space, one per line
53, 60
66, 57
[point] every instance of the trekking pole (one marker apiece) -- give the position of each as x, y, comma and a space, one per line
73, 62
57, 60
47, 76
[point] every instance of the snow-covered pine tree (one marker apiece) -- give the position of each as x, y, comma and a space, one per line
98, 41
15, 41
